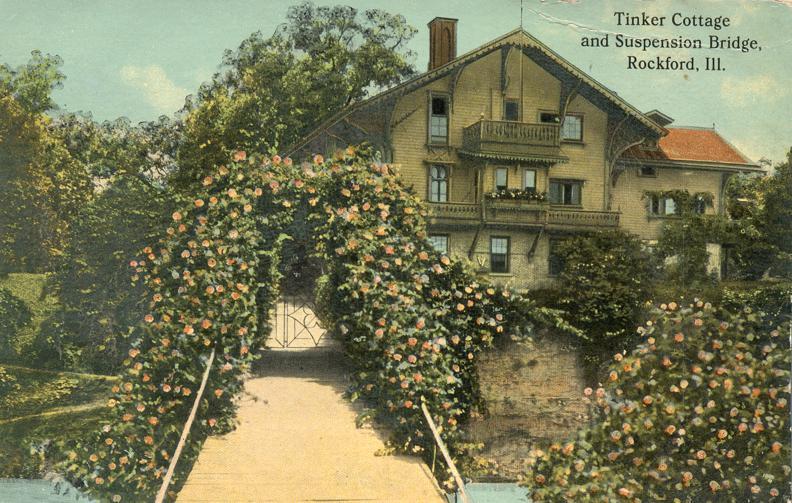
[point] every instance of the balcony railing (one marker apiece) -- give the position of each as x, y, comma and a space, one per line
583, 218
518, 212
515, 138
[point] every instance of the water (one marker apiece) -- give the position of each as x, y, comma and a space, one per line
494, 492
38, 491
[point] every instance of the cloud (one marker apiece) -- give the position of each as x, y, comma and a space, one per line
738, 92
158, 89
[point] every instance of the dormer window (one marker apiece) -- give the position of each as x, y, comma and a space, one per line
438, 120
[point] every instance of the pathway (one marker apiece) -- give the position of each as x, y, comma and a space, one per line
297, 442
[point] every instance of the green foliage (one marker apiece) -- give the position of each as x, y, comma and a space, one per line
699, 411
42, 184
127, 210
8, 383
413, 322
41, 407
773, 302
31, 85
14, 314
605, 281
762, 210
683, 246
275, 90
205, 293
98, 303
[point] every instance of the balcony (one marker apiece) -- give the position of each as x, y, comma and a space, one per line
520, 213
582, 218
513, 140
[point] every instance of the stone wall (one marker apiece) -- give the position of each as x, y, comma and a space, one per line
533, 394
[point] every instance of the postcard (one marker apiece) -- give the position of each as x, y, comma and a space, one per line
259, 251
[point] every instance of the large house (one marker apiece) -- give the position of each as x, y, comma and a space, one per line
514, 148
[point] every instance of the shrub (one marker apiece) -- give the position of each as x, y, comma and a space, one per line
14, 314
603, 286
699, 411
773, 302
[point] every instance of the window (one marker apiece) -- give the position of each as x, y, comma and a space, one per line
565, 192
499, 254
511, 110
440, 242
647, 171
501, 178
529, 180
438, 120
663, 206
699, 205
438, 184
572, 128
555, 262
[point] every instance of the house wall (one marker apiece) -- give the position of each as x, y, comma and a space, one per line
630, 188
478, 95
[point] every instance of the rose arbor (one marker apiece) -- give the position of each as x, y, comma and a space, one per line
412, 321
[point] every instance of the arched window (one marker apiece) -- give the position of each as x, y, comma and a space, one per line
438, 184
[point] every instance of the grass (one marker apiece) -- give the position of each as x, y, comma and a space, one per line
31, 288
37, 391
21, 440
45, 407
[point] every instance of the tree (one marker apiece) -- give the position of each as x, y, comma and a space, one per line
275, 90
761, 207
42, 185
128, 164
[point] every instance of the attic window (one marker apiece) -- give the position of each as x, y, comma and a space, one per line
438, 120
650, 171
511, 110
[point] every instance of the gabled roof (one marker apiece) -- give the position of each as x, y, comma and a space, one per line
518, 38
691, 145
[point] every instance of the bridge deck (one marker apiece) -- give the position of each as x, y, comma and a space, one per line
297, 441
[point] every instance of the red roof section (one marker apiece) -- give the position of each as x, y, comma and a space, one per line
691, 144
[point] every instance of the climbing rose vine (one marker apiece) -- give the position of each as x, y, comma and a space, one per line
206, 293
698, 412
413, 321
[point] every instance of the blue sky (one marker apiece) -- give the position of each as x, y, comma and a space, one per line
139, 59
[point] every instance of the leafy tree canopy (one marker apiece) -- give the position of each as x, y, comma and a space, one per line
273, 90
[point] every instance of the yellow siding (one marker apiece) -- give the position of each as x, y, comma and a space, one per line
478, 95
627, 196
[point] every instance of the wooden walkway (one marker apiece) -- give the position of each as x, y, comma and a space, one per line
297, 442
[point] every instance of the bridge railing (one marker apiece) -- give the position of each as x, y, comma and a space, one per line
185, 433
461, 491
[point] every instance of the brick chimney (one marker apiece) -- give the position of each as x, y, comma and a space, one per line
442, 41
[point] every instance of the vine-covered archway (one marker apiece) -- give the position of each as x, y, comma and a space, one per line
411, 320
